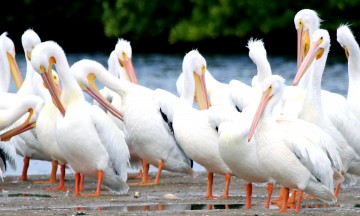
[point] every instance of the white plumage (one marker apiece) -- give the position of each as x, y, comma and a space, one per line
147, 132
291, 161
312, 109
193, 129
347, 41
84, 133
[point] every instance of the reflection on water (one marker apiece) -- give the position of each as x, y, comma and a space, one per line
25, 195
162, 71
163, 207
174, 207
177, 207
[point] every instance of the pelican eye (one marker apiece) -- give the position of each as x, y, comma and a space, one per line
124, 56
42, 68
203, 69
121, 63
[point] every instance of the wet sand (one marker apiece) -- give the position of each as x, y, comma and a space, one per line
175, 195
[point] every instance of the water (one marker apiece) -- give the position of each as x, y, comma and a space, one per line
161, 71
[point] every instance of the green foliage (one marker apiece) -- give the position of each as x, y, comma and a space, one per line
141, 19
169, 22
218, 18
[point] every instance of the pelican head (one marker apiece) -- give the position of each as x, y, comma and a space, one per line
44, 55
29, 40
31, 104
346, 38
257, 53
195, 64
256, 49
272, 90
124, 53
9, 47
319, 46
85, 71
113, 65
306, 22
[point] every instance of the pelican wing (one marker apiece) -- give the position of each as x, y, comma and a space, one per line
347, 122
241, 94
168, 103
7, 156
316, 136
113, 139
311, 145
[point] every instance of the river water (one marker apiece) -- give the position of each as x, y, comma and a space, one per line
162, 71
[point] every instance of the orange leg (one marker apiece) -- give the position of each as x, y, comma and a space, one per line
24, 177
52, 180
227, 185
209, 186
145, 175
82, 182
337, 189
160, 168
270, 190
248, 195
285, 201
98, 188
293, 196
281, 196
300, 194
77, 184
62, 180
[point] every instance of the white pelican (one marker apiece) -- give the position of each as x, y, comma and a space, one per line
334, 105
124, 56
90, 142
120, 65
218, 93
26, 144
147, 133
303, 165
347, 41
232, 137
312, 109
241, 157
306, 21
192, 128
8, 116
45, 126
8, 64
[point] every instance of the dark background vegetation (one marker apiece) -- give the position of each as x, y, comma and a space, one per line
221, 26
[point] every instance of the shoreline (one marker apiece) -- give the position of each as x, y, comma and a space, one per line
175, 195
